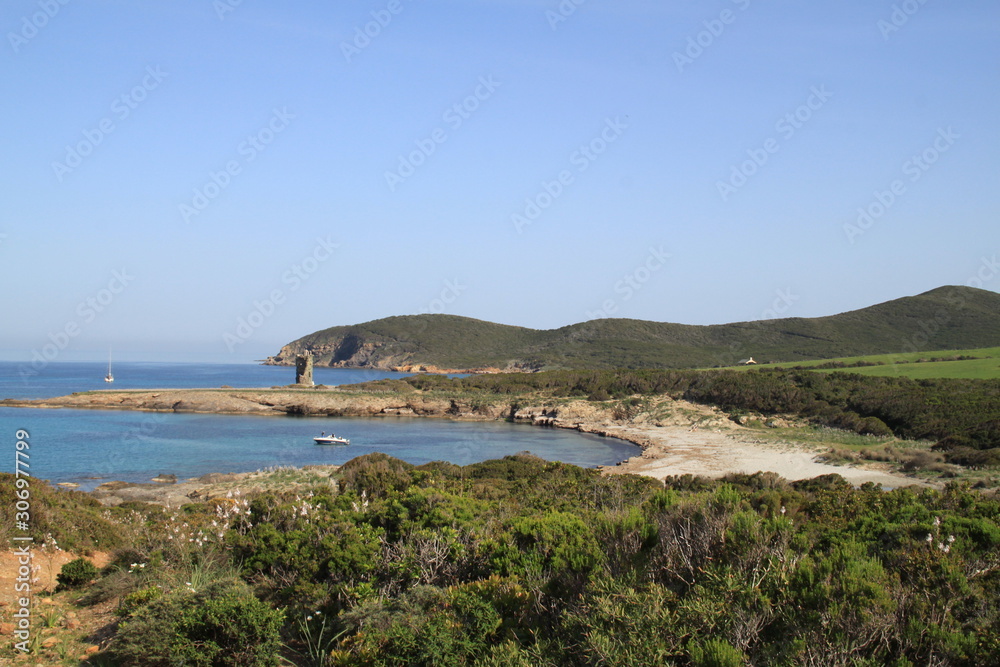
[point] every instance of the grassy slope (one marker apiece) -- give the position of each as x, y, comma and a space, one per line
985, 367
978, 369
958, 318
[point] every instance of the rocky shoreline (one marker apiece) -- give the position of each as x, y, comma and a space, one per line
429, 369
278, 401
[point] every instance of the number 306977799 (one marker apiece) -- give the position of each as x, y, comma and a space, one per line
22, 485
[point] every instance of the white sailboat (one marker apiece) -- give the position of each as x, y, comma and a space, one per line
109, 377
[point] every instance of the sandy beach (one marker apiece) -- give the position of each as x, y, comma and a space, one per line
678, 450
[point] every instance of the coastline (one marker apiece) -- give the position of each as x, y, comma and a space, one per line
418, 368
696, 440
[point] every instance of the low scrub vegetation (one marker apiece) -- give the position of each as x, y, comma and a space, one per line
524, 562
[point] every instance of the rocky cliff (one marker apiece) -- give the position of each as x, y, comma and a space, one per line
347, 351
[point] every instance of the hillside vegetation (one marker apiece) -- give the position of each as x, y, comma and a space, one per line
943, 319
520, 562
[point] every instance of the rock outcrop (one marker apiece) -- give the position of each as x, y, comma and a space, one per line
349, 351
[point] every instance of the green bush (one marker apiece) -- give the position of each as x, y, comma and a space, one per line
874, 426
221, 625
974, 458
136, 600
716, 653
76, 520
376, 474
77, 573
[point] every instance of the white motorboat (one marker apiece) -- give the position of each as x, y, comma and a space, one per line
331, 440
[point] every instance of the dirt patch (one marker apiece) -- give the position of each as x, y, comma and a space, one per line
60, 630
45, 564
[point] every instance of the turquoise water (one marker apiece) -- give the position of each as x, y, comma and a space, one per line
89, 447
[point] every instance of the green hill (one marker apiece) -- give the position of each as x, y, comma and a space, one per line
946, 318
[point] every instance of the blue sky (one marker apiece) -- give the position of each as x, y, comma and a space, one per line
208, 180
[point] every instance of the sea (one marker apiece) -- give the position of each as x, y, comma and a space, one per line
90, 447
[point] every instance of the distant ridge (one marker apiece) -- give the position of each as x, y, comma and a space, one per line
946, 318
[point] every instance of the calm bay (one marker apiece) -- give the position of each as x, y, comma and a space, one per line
89, 447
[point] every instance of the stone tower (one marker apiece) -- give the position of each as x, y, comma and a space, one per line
304, 369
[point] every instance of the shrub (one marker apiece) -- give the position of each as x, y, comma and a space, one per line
757, 481
76, 573
137, 600
974, 458
716, 653
377, 474
522, 467
919, 461
562, 541
874, 426
829, 482
77, 521
839, 456
222, 625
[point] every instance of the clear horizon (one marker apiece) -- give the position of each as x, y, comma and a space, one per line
175, 171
